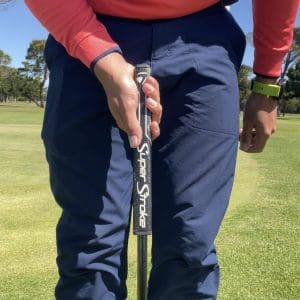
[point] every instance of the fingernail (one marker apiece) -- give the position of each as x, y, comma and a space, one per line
152, 102
133, 141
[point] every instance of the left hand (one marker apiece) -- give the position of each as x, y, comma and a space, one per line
117, 78
259, 123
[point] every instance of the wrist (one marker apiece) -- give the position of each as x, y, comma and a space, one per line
106, 67
265, 79
267, 87
102, 55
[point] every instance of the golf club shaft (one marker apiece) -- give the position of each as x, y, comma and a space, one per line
142, 267
142, 194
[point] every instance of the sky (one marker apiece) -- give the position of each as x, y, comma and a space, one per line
18, 28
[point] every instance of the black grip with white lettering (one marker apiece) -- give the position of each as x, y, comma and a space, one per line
142, 191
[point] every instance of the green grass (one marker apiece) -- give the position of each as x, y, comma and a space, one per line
258, 244
259, 241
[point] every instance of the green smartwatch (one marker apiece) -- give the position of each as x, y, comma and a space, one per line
267, 89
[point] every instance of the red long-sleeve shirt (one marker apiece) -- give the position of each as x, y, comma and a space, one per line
74, 24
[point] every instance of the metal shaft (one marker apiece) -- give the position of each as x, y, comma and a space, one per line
142, 267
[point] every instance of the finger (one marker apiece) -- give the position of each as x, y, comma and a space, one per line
151, 80
155, 108
240, 133
120, 123
155, 130
151, 88
260, 141
117, 117
246, 137
131, 123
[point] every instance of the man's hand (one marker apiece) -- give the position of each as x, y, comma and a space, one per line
117, 78
259, 123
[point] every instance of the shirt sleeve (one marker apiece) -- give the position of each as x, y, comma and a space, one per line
74, 25
274, 22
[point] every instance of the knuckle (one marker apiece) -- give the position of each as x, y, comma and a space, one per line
131, 68
267, 133
155, 133
157, 109
132, 126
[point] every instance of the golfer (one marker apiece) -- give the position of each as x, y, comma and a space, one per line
195, 49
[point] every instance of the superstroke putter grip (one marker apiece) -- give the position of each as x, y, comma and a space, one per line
142, 190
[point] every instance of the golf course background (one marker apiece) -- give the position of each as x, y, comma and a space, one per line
259, 242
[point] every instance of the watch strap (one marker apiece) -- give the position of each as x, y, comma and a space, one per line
267, 89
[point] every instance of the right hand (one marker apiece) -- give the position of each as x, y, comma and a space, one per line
117, 78
259, 121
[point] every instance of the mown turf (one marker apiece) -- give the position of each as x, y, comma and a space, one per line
259, 241
258, 244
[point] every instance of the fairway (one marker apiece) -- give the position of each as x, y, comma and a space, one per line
258, 244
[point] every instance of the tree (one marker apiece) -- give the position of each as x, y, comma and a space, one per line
244, 83
290, 101
293, 54
27, 82
292, 105
5, 59
35, 72
11, 83
5, 72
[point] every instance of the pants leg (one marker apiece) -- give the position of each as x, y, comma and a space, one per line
90, 165
91, 178
194, 158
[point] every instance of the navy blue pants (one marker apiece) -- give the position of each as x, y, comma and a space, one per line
195, 59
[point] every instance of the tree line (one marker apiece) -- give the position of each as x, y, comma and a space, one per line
29, 82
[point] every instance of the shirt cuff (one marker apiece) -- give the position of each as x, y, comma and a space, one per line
90, 47
111, 50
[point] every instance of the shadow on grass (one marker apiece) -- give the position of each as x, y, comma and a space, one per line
11, 105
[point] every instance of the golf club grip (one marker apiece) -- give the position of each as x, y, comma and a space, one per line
142, 191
